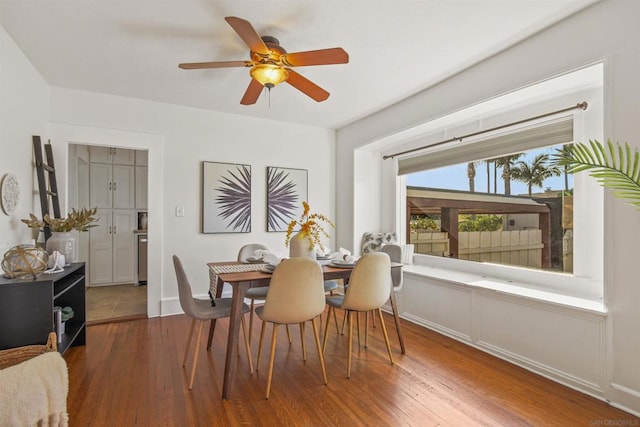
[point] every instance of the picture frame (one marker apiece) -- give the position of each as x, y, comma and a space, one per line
226, 197
287, 188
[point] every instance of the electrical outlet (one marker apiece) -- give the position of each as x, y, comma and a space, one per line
179, 210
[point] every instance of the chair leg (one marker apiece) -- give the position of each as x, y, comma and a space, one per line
195, 355
288, 333
246, 342
335, 318
344, 321
251, 319
304, 347
212, 328
260, 345
373, 317
186, 350
366, 330
358, 326
396, 318
350, 343
326, 328
271, 358
386, 337
320, 355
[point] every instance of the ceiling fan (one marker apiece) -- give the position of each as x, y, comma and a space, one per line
270, 63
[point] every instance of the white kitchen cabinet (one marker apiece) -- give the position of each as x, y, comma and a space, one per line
112, 186
112, 247
141, 187
142, 158
111, 155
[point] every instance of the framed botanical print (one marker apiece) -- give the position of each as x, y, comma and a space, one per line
226, 198
286, 190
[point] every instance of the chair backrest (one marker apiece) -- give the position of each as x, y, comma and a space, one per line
395, 255
184, 289
369, 283
249, 250
296, 292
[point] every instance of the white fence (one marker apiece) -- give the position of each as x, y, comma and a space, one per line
519, 247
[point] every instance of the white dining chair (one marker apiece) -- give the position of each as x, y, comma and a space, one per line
202, 310
395, 255
369, 288
296, 295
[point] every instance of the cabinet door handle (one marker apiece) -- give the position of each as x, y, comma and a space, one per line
110, 184
109, 229
115, 229
114, 186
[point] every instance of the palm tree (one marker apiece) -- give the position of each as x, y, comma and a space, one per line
534, 173
471, 174
505, 163
488, 163
565, 152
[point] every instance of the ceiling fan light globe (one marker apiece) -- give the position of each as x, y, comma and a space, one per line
269, 74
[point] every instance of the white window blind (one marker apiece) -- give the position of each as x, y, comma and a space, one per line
558, 131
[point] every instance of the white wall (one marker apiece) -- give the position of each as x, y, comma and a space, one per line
178, 140
24, 106
605, 31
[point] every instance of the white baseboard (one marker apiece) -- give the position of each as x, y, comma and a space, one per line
555, 375
625, 398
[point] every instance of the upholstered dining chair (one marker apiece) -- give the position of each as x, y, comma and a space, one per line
369, 288
395, 255
245, 254
259, 293
202, 310
296, 295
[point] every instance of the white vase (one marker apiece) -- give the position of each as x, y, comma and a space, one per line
301, 246
63, 242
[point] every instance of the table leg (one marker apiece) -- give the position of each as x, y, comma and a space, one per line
396, 318
212, 328
239, 291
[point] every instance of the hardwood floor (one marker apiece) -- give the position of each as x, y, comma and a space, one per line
130, 373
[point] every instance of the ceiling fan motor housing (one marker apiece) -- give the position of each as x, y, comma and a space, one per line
275, 51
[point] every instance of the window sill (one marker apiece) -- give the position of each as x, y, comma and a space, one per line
521, 290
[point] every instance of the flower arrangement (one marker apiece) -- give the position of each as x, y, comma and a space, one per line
310, 227
81, 220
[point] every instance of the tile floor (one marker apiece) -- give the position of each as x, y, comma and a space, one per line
115, 302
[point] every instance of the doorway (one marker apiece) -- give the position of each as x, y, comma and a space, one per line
114, 291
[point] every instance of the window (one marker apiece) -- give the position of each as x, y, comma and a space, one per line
514, 209
570, 259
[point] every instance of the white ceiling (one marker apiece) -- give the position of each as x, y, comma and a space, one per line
397, 47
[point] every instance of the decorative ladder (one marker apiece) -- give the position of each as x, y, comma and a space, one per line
47, 185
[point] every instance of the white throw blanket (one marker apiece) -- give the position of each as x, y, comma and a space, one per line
34, 392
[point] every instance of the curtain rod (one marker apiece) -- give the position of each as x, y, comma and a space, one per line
583, 105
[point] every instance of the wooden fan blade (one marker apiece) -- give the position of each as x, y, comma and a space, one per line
247, 33
252, 93
306, 86
335, 55
219, 64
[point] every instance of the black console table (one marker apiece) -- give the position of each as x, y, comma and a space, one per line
26, 308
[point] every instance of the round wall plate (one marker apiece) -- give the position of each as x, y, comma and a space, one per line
9, 193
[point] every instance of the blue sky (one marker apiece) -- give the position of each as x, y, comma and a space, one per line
455, 178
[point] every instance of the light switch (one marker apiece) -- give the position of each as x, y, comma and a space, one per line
179, 210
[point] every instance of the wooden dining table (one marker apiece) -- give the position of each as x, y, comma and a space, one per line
240, 282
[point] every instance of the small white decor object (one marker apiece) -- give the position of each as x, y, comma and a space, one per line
63, 242
9, 193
